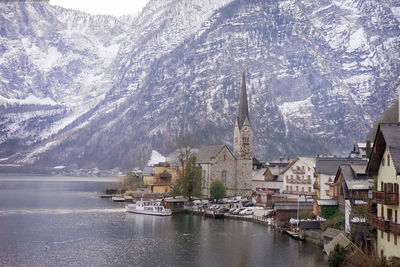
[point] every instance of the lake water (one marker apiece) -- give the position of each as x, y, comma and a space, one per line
81, 229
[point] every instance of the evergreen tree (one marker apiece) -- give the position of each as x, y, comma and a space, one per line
337, 257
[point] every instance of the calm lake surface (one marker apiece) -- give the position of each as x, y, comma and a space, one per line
81, 229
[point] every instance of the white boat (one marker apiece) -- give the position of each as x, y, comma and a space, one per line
149, 208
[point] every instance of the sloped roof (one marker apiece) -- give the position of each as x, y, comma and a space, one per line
340, 239
332, 233
274, 170
330, 165
309, 161
293, 205
205, 153
259, 175
387, 135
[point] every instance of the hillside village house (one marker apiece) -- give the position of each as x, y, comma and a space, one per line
234, 169
352, 190
326, 169
298, 176
384, 166
160, 177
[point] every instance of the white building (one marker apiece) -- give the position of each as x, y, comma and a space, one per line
299, 176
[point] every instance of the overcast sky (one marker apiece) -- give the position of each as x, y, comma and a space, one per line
105, 7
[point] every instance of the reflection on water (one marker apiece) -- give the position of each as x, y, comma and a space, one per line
82, 229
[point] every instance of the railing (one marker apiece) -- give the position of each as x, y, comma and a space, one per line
300, 171
385, 198
395, 227
381, 224
301, 193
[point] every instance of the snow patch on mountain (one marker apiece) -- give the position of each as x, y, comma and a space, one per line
155, 158
30, 100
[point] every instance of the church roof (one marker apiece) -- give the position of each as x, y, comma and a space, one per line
243, 106
205, 153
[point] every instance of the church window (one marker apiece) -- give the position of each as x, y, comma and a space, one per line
224, 157
224, 177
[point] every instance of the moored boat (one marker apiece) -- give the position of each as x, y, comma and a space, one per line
149, 208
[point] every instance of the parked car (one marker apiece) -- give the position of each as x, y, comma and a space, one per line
270, 214
248, 204
236, 212
246, 212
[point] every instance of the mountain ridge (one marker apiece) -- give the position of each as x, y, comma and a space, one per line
318, 76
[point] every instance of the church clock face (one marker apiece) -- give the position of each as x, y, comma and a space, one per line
246, 128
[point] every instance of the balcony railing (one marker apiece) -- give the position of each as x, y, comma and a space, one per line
298, 171
298, 181
381, 224
395, 227
301, 193
385, 198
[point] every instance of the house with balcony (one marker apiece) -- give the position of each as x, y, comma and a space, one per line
160, 177
326, 169
299, 176
352, 189
384, 166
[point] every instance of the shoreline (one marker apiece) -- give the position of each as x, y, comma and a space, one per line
310, 236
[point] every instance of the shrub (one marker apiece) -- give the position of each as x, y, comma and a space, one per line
217, 189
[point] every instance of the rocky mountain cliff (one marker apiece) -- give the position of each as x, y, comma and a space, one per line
99, 91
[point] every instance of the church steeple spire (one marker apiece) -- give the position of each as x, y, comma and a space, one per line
243, 106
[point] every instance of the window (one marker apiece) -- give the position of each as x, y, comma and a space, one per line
383, 161
302, 189
395, 216
224, 177
309, 189
287, 188
309, 169
388, 159
395, 239
382, 212
382, 234
388, 236
297, 188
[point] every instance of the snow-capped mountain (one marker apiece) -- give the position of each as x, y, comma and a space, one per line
99, 91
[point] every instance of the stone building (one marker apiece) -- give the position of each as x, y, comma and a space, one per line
234, 169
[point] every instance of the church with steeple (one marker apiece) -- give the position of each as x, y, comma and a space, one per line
234, 169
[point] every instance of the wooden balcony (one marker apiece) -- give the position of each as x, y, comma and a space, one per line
394, 227
381, 224
385, 198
